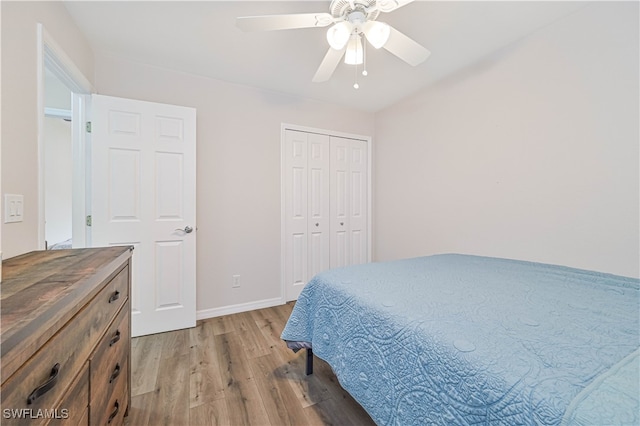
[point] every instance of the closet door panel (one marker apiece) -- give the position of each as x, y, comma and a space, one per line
340, 193
358, 220
340, 250
296, 213
325, 179
358, 245
298, 259
318, 204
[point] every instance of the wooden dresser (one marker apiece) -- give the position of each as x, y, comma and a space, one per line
65, 324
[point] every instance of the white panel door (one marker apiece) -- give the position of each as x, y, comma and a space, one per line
358, 217
349, 204
143, 194
295, 211
339, 223
306, 210
318, 204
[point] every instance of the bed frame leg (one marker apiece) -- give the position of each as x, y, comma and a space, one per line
309, 361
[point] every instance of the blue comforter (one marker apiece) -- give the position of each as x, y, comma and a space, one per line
458, 340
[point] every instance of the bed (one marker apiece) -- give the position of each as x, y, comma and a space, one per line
457, 339
63, 245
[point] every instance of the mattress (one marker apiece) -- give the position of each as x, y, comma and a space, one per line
63, 245
457, 339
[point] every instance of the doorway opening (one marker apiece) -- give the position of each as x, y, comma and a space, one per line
63, 171
58, 164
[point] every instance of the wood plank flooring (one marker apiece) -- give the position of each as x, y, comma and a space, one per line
234, 370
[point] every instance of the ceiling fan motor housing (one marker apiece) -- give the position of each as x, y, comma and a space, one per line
345, 8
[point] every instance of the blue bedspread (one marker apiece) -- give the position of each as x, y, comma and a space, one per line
465, 340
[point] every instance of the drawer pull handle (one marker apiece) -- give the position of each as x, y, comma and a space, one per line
115, 338
46, 386
115, 374
114, 413
115, 296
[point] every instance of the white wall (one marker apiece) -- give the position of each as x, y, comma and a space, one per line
19, 105
238, 171
531, 154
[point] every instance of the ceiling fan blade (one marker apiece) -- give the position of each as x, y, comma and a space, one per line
405, 48
328, 65
391, 5
283, 22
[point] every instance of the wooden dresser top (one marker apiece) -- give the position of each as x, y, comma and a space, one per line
42, 290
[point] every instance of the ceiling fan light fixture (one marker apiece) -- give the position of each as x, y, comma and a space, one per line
354, 55
377, 33
353, 21
338, 35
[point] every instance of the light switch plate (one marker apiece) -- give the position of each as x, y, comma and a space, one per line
13, 208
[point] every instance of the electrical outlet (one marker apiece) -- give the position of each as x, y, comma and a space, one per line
235, 281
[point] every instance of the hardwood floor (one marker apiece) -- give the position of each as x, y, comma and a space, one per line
234, 370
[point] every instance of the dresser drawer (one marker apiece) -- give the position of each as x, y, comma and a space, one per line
70, 410
63, 313
44, 378
109, 404
116, 293
84, 421
75, 404
109, 359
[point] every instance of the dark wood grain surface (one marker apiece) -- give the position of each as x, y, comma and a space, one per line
43, 290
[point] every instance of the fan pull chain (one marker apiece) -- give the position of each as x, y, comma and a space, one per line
364, 58
356, 85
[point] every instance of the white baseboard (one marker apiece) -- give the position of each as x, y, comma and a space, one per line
235, 309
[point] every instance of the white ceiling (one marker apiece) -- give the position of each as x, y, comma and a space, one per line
201, 38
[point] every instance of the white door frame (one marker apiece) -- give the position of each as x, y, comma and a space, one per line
52, 57
283, 128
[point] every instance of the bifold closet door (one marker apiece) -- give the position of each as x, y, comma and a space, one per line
307, 197
348, 224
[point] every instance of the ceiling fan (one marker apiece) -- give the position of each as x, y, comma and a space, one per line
351, 21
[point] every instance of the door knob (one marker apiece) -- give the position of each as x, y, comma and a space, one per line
187, 229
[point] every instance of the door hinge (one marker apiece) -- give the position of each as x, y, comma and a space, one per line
88, 126
88, 220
